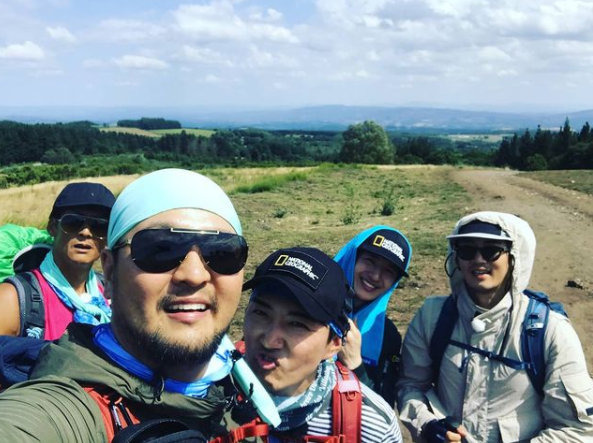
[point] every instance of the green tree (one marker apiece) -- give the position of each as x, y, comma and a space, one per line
536, 162
366, 142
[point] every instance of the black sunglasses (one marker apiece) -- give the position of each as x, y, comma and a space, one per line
160, 250
74, 223
489, 253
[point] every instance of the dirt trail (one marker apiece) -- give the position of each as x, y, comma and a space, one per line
563, 224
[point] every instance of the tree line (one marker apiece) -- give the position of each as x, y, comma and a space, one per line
149, 123
368, 142
545, 149
78, 149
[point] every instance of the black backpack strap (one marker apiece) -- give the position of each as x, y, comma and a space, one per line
32, 312
442, 334
18, 356
159, 431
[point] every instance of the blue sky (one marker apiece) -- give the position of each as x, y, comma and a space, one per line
472, 54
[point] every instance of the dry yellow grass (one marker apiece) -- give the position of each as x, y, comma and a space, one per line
133, 131
31, 205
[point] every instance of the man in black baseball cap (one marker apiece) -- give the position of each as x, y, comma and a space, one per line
84, 195
62, 287
294, 326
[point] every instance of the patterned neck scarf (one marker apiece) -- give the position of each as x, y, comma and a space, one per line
92, 309
220, 364
296, 411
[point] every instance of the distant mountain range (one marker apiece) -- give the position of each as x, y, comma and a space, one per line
331, 117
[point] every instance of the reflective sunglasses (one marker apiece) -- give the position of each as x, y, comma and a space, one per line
74, 223
489, 253
161, 250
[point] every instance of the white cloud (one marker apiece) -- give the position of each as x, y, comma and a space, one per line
60, 33
219, 21
271, 15
91, 63
128, 30
204, 55
27, 51
493, 54
211, 78
140, 62
259, 58
507, 73
44, 73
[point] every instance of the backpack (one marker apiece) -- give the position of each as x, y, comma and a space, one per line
346, 417
32, 312
22, 248
30, 295
532, 337
120, 422
17, 358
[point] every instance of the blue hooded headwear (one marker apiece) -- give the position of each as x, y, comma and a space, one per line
371, 318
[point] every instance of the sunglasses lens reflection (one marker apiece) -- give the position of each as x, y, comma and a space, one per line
160, 250
488, 253
74, 223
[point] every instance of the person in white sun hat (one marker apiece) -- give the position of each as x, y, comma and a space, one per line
493, 361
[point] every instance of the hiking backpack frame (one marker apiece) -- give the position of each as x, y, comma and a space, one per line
532, 337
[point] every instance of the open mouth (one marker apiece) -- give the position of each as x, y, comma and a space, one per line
83, 246
480, 272
367, 285
266, 361
186, 307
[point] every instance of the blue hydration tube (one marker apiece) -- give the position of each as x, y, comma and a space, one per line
250, 385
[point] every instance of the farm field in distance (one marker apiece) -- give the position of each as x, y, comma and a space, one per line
157, 132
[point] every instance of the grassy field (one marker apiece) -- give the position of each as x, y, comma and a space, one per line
577, 180
133, 131
485, 138
158, 132
325, 206
320, 206
192, 131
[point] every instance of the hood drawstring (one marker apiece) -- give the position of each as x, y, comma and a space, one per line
158, 386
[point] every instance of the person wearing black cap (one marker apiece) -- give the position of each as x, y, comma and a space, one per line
492, 362
40, 303
374, 262
294, 326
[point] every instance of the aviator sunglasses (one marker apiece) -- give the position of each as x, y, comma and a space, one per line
161, 250
74, 223
489, 253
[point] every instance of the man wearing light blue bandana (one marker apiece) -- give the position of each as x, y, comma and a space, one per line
374, 262
173, 269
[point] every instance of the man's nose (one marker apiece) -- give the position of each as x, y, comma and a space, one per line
273, 336
192, 270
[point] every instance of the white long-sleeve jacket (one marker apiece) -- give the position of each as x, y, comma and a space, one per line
496, 402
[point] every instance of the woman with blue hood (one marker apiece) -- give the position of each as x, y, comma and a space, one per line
374, 262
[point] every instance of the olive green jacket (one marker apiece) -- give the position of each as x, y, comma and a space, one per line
53, 406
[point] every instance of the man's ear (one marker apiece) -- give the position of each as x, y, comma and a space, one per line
52, 226
333, 347
108, 263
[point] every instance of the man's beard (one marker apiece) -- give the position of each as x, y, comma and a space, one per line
155, 349
163, 353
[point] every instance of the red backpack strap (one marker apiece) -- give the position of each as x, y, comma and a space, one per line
115, 414
240, 346
255, 428
346, 405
